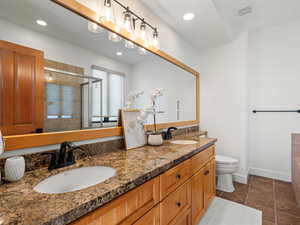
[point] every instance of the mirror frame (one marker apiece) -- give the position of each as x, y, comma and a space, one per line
15, 142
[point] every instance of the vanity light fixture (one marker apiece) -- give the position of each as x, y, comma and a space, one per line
155, 39
188, 16
143, 30
128, 22
108, 12
41, 23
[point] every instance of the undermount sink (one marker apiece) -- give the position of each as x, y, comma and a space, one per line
184, 142
75, 179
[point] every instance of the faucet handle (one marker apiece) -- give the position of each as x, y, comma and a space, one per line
70, 155
53, 160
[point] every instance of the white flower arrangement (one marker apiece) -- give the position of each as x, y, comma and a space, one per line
151, 108
132, 97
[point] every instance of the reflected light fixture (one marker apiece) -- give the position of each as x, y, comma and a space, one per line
129, 44
49, 78
188, 16
119, 53
41, 23
142, 51
94, 27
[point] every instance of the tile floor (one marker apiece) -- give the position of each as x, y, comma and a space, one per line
274, 198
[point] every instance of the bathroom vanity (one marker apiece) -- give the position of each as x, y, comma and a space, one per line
180, 196
170, 184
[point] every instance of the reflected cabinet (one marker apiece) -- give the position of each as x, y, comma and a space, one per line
22, 89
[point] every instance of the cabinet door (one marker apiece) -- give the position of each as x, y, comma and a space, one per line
151, 218
198, 196
209, 182
126, 209
22, 89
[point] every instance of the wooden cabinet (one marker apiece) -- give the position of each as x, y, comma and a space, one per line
177, 197
125, 209
21, 89
199, 160
198, 207
209, 182
177, 202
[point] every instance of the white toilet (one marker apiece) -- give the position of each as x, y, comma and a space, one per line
226, 166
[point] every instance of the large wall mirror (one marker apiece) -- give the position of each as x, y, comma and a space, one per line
86, 76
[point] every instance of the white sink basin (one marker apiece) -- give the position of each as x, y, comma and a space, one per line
184, 142
73, 180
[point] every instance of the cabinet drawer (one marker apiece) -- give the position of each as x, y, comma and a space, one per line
151, 218
174, 177
177, 202
125, 209
199, 160
184, 219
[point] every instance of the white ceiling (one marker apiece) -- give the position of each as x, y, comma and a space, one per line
217, 21
65, 25
206, 30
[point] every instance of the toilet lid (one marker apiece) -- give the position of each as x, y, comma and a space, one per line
225, 159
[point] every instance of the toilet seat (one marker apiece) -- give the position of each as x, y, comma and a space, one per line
225, 160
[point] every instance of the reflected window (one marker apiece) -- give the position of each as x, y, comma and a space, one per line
113, 89
59, 101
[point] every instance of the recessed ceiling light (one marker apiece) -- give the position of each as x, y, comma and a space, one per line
119, 53
41, 23
188, 16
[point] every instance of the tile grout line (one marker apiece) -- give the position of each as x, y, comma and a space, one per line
275, 205
246, 199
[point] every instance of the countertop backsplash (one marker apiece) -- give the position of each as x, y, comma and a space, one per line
36, 160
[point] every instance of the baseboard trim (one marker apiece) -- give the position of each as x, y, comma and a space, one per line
240, 178
270, 174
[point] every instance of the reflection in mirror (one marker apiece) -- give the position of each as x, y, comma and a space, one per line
87, 75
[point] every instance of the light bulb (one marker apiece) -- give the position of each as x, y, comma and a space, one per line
129, 44
143, 31
107, 12
94, 28
155, 39
49, 78
127, 21
113, 37
142, 51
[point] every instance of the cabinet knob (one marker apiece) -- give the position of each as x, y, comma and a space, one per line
178, 176
178, 204
206, 172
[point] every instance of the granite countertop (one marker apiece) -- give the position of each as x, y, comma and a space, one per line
20, 204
